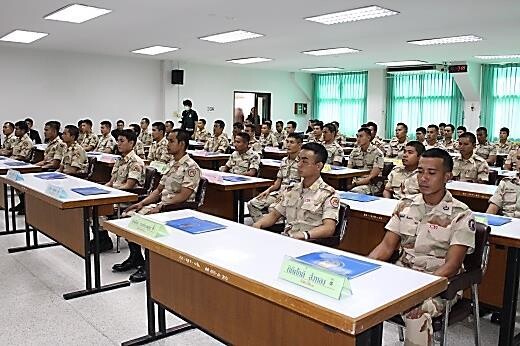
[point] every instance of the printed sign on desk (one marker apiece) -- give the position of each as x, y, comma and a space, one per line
56, 191
147, 226
14, 175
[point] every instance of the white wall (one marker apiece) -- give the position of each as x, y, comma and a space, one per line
376, 99
67, 86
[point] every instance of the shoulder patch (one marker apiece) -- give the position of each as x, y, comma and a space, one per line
334, 201
471, 225
192, 172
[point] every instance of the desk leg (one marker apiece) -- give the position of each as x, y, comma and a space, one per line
150, 312
13, 212
240, 206
6, 216
372, 336
510, 297
97, 270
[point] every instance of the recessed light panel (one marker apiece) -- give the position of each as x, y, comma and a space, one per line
248, 60
22, 36
447, 40
77, 13
154, 50
321, 69
331, 51
402, 63
232, 36
496, 57
369, 12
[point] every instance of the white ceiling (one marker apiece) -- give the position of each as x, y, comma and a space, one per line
136, 24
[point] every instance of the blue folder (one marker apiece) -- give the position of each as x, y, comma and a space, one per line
338, 264
494, 220
359, 197
51, 176
337, 168
194, 225
234, 178
88, 191
15, 163
3, 158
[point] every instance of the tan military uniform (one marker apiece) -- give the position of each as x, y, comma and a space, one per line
474, 169
22, 147
268, 141
485, 150
427, 232
54, 151
280, 136
214, 144
159, 151
288, 173
89, 139
241, 163
106, 142
341, 139
512, 160
504, 148
139, 148
75, 156
312, 139
306, 208
369, 159
145, 137
450, 146
335, 153
129, 167
201, 135
80, 137
402, 183
379, 143
437, 144
507, 197
396, 148
9, 142
255, 145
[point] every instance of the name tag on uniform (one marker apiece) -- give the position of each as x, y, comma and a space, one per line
432, 227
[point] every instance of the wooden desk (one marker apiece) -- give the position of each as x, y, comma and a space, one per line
220, 195
499, 286
196, 145
103, 166
209, 160
224, 283
475, 195
274, 153
66, 221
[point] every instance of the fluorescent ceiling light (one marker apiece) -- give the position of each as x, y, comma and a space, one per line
331, 51
369, 12
447, 40
154, 50
248, 60
402, 63
321, 69
232, 36
22, 36
493, 57
77, 13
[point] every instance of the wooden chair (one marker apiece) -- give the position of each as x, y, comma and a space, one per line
380, 180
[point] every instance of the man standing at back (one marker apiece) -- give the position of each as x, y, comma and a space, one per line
189, 117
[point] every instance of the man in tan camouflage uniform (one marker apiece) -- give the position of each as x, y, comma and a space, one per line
402, 180
201, 134
23, 144
397, 144
177, 186
159, 149
75, 159
503, 145
376, 140
9, 139
106, 143
218, 142
334, 150
243, 160
317, 132
486, 150
469, 166
511, 162
506, 198
267, 137
448, 143
144, 136
340, 138
139, 146
311, 207
432, 232
432, 133
365, 156
280, 133
253, 142
55, 146
89, 141
287, 175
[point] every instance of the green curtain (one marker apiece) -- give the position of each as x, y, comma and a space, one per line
341, 97
501, 99
421, 99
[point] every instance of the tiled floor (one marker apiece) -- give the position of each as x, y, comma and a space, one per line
33, 312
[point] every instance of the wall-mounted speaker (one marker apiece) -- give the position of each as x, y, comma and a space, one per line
178, 77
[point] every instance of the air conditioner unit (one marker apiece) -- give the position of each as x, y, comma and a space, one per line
418, 68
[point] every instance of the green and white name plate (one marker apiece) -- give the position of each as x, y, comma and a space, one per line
147, 226
161, 167
315, 278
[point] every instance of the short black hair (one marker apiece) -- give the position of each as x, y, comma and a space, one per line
160, 126
10, 124
245, 136
463, 128
279, 122
106, 123
267, 123
187, 103
447, 161
421, 129
53, 124
442, 125
146, 120
120, 121
433, 126
293, 123
22, 125
182, 136
203, 121
130, 135
88, 122
73, 131
505, 129
403, 125
319, 123
482, 128
169, 122
220, 123
319, 151
451, 127
470, 136
335, 123
365, 130
29, 120
252, 126
419, 147
298, 137
136, 128
80, 122
373, 124
238, 125
331, 127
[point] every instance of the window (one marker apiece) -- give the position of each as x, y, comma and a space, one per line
341, 97
501, 99
421, 99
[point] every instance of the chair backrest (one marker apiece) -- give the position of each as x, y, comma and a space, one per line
151, 178
492, 177
500, 161
201, 192
478, 259
90, 168
341, 226
387, 168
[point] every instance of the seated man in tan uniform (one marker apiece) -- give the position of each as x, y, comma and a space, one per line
469, 166
243, 160
106, 143
7, 146
432, 232
218, 142
89, 140
75, 159
402, 180
22, 145
55, 146
334, 150
311, 207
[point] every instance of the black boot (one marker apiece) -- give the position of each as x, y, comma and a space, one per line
139, 275
105, 242
134, 260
